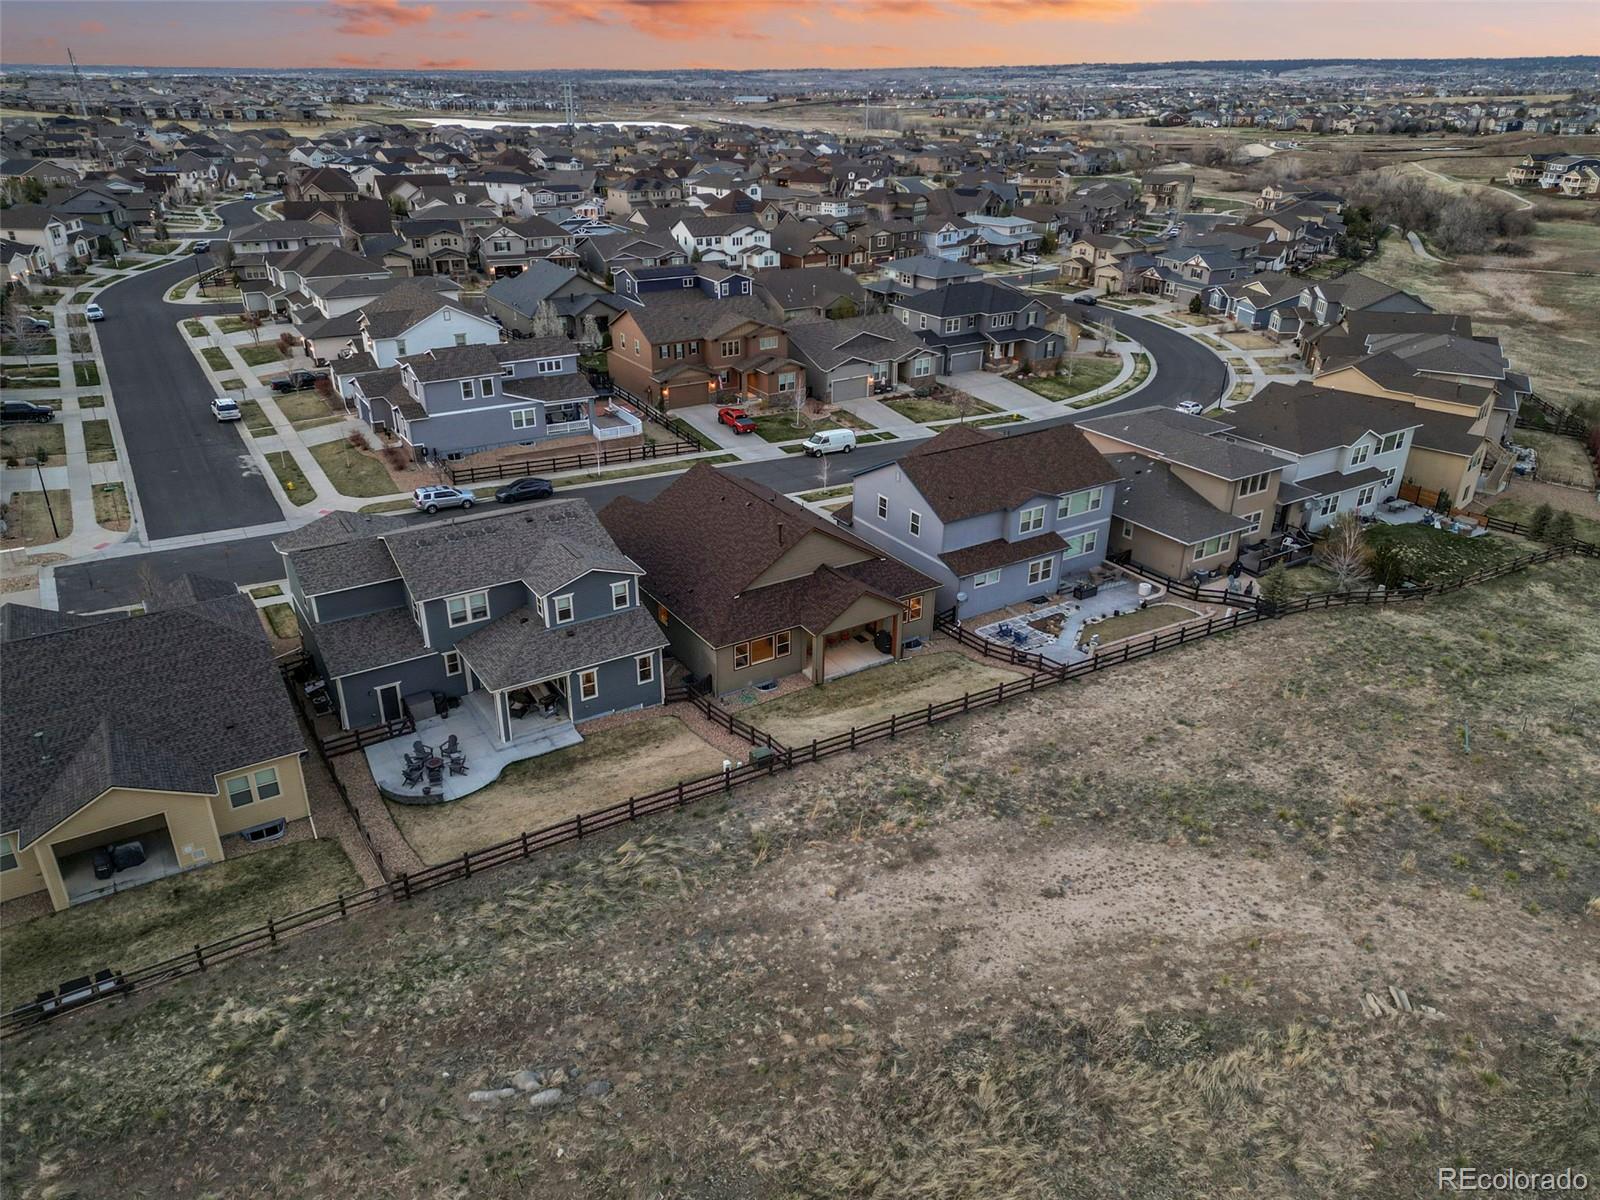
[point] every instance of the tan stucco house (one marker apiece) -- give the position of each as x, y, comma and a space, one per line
171, 730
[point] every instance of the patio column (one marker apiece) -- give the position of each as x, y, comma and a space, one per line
895, 629
502, 718
819, 671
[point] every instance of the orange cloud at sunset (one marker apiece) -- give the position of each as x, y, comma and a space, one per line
378, 18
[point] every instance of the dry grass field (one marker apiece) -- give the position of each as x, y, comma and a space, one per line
1113, 939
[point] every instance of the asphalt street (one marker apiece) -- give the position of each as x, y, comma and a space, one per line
187, 466
191, 472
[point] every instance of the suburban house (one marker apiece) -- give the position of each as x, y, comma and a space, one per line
1102, 261
733, 240
459, 400
1343, 451
1183, 272
751, 587
413, 319
61, 239
923, 272
548, 300
1353, 337
512, 246
993, 520
849, 359
430, 247
1187, 498
1166, 191
694, 350
171, 730
267, 237
973, 324
532, 618
604, 254
1252, 302
717, 282
802, 292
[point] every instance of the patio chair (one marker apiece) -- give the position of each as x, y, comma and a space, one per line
458, 764
451, 747
413, 774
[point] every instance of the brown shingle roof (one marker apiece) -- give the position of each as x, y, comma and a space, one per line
966, 472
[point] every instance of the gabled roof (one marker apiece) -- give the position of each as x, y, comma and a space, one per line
1302, 418
674, 318
1152, 497
828, 344
1187, 440
965, 299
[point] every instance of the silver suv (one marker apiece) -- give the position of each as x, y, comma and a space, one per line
436, 496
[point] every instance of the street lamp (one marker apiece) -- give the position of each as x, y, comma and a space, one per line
199, 272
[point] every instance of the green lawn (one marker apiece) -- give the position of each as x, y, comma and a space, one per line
291, 477
21, 376
305, 410
232, 324
260, 356
215, 358
353, 472
92, 400
165, 918
1088, 372
1141, 372
1432, 555
782, 426
254, 418
1585, 528
1131, 624
86, 374
194, 329
45, 345
934, 408
111, 507
281, 620
28, 518
97, 440
266, 593
29, 441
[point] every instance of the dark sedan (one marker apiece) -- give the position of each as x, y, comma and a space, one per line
524, 489
298, 381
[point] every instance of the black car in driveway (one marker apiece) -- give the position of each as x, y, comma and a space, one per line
297, 381
24, 410
524, 489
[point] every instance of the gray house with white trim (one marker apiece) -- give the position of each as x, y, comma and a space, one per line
531, 617
995, 520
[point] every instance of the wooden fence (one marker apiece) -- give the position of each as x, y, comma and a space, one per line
577, 461
661, 417
1539, 414
779, 758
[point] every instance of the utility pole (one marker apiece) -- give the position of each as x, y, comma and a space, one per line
569, 101
100, 159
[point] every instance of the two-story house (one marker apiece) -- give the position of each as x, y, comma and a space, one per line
461, 400
1181, 272
734, 240
603, 254
512, 246
711, 280
532, 618
1188, 498
1343, 451
430, 247
548, 300
61, 239
994, 520
270, 237
971, 324
686, 351
1102, 261
852, 358
751, 587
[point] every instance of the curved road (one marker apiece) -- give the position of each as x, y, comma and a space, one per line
193, 475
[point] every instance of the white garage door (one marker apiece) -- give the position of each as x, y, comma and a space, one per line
840, 390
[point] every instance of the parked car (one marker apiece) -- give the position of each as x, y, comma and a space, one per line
35, 323
1193, 407
1030, 260
225, 409
249, 195
531, 488
1088, 298
829, 441
736, 419
296, 381
101, 859
15, 411
201, 247
95, 313
432, 498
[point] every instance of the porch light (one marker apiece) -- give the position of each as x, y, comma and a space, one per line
665, 393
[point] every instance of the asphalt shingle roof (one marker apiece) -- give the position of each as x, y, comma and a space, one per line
1184, 439
1151, 496
518, 648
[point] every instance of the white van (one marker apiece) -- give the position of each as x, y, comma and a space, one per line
829, 441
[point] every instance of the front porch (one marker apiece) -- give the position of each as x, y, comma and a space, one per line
492, 731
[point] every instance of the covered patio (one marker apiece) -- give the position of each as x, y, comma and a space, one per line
75, 859
865, 635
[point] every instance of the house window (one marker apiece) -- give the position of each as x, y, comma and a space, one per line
1329, 506
922, 368
548, 366
460, 338
1127, 530
645, 664
8, 853
267, 783
1393, 442
1214, 545
985, 578
524, 418
452, 663
1031, 520
1358, 454
1041, 570
688, 283
760, 650
467, 608
1388, 477
1365, 495
562, 606
1255, 522
769, 343
588, 684
1256, 483
730, 349
952, 325
913, 609
1080, 502
619, 595
486, 386
1083, 543
467, 392
883, 508
239, 792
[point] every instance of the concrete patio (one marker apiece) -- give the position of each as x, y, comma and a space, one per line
473, 726
1115, 596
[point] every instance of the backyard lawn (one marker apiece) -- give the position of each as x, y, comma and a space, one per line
1131, 624
28, 518
281, 620
1525, 497
98, 442
111, 507
30, 441
1560, 458
923, 409
1431, 555
354, 472
1088, 371
872, 695
170, 916
606, 767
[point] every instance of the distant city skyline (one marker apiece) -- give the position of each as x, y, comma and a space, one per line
509, 35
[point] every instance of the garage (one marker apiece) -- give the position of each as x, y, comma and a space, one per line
962, 361
855, 388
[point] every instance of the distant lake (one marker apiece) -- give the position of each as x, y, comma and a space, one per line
477, 123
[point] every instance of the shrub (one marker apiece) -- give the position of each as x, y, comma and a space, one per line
1196, 305
1562, 529
1275, 586
1539, 521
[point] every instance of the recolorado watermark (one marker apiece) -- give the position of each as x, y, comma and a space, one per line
1475, 1179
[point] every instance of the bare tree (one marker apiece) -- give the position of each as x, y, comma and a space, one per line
1344, 551
252, 322
26, 338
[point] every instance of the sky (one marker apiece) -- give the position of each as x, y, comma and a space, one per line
662, 34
